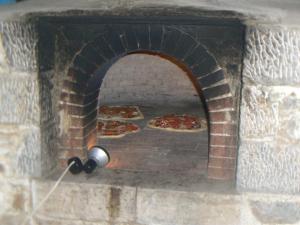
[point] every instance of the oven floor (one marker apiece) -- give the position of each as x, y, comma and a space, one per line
152, 150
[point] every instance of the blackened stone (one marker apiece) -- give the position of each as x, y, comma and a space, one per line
185, 45
131, 39
90, 107
71, 86
206, 66
84, 64
170, 41
212, 78
196, 56
91, 97
90, 53
103, 48
80, 77
142, 36
156, 35
91, 126
113, 39
216, 91
46, 45
122, 34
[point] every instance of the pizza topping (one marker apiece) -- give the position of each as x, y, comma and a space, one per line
178, 123
115, 128
120, 112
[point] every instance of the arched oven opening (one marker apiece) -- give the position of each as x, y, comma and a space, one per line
214, 84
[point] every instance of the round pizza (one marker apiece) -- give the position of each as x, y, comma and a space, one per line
181, 123
115, 128
120, 113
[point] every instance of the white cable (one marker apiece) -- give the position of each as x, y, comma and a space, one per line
48, 195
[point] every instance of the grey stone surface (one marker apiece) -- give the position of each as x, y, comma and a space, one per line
170, 207
3, 60
265, 166
14, 196
87, 202
12, 219
272, 56
20, 151
47, 221
270, 135
19, 41
276, 212
19, 100
75, 201
286, 12
259, 113
49, 148
270, 112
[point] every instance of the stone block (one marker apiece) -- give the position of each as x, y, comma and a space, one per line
49, 149
259, 113
87, 202
171, 207
270, 112
276, 212
13, 219
20, 150
268, 167
15, 196
20, 44
3, 60
272, 55
122, 204
73, 201
47, 221
19, 100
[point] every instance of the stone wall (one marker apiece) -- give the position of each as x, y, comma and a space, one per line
88, 202
269, 153
268, 157
19, 117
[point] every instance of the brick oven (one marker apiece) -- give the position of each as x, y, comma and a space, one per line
233, 63
80, 50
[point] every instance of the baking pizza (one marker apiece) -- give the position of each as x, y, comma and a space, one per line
181, 123
115, 128
120, 113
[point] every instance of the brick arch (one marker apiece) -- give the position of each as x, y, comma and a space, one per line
89, 66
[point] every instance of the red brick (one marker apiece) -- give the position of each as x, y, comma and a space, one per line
222, 151
68, 153
91, 139
220, 174
72, 142
76, 99
64, 96
223, 140
228, 163
75, 110
81, 122
229, 116
220, 104
230, 129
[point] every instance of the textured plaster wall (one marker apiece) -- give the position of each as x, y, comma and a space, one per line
20, 136
146, 79
269, 153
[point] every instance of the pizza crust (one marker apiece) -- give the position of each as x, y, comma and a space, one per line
203, 126
117, 129
103, 116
